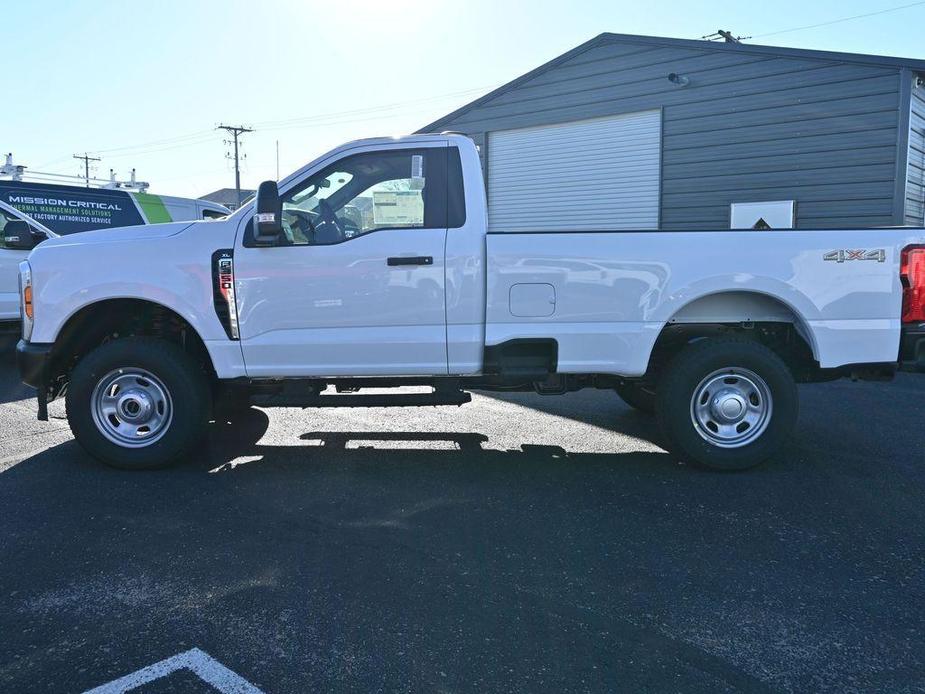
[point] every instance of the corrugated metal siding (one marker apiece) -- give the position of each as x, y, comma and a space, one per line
915, 167
589, 175
747, 128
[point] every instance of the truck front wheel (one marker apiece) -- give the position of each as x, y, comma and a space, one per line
137, 403
727, 403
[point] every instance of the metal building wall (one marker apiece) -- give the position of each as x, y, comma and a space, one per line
915, 172
749, 125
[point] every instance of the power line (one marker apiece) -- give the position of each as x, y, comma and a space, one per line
52, 162
843, 19
141, 145
201, 137
264, 125
319, 120
334, 121
155, 150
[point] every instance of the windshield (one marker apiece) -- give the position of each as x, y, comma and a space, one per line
319, 189
357, 195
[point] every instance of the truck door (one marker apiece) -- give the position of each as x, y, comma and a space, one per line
356, 286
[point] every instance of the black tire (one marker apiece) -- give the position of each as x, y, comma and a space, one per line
184, 381
637, 396
702, 361
231, 404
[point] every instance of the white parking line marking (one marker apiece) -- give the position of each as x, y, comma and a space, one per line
204, 666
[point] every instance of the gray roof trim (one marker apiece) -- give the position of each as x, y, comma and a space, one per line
605, 38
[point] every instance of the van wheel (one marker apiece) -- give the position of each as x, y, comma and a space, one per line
727, 403
137, 403
637, 396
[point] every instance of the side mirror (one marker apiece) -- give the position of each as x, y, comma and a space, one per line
268, 220
17, 236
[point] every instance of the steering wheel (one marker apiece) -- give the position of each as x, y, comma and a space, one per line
297, 227
328, 228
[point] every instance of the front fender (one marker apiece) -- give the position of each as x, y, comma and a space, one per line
175, 272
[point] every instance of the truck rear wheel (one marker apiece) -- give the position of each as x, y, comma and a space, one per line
727, 403
137, 403
637, 396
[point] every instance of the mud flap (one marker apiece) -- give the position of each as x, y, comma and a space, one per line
42, 397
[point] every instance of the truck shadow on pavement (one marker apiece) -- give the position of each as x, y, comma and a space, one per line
234, 443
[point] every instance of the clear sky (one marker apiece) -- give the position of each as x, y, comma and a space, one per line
144, 84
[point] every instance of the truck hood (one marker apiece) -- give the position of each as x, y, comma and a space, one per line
145, 232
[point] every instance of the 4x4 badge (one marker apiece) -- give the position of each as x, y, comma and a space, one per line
842, 256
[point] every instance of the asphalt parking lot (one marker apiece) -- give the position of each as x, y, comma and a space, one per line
517, 544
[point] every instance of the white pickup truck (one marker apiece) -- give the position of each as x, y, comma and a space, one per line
375, 266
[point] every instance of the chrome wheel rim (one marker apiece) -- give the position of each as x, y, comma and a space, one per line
131, 407
731, 407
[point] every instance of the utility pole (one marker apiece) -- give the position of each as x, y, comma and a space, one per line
236, 131
86, 160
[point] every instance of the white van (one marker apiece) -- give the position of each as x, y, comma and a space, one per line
67, 209
12, 223
52, 210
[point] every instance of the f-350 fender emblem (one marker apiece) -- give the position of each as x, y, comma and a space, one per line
845, 255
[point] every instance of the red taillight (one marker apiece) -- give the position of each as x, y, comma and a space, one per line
912, 275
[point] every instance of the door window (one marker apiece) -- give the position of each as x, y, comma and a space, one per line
358, 195
4, 218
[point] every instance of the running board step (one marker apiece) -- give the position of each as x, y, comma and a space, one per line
456, 397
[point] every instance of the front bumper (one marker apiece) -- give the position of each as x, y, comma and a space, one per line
912, 348
32, 361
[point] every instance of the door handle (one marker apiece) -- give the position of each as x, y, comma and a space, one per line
410, 260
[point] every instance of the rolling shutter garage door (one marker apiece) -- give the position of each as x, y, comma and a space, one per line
591, 175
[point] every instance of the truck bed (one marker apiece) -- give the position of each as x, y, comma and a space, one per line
607, 295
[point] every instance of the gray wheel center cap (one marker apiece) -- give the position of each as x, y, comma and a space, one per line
135, 406
728, 406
